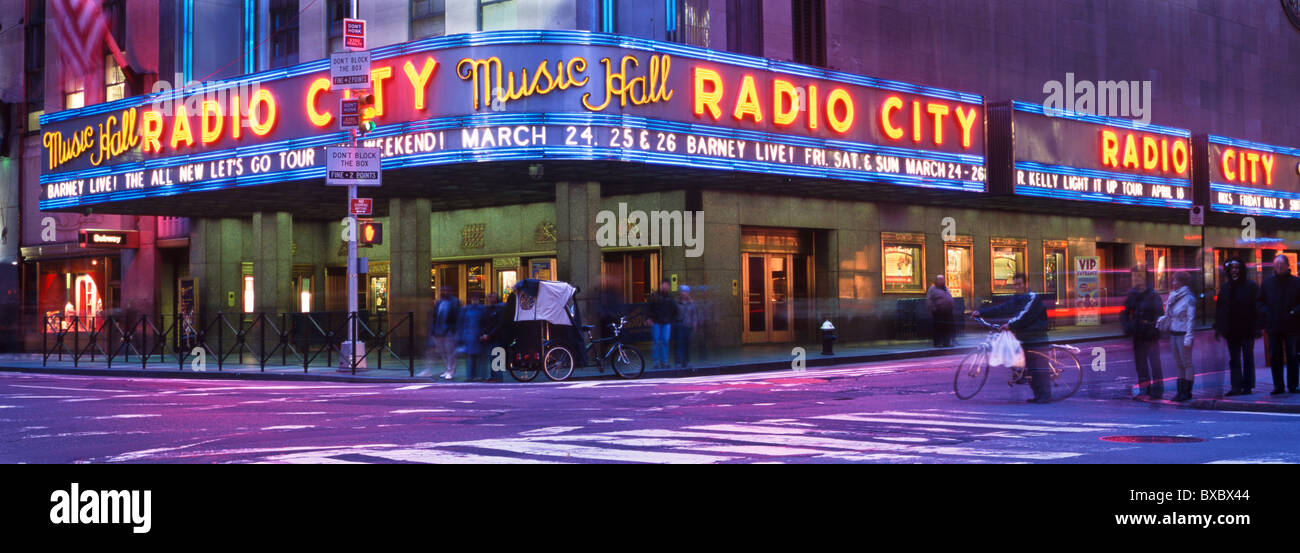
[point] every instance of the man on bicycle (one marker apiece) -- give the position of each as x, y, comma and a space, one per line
1028, 321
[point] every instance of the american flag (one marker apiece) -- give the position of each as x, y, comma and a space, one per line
80, 30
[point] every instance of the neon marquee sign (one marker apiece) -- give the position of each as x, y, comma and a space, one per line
1059, 154
580, 95
1250, 178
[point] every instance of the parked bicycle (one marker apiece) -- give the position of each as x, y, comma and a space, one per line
1063, 368
625, 359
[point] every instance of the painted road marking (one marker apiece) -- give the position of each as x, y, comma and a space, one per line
838, 443
960, 424
569, 451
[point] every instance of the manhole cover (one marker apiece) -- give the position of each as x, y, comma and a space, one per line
1152, 439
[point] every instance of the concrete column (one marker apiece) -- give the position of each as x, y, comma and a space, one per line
410, 244
216, 249
140, 272
273, 262
577, 254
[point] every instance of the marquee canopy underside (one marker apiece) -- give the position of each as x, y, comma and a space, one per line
489, 184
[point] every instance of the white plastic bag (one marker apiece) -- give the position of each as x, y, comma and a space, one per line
1007, 352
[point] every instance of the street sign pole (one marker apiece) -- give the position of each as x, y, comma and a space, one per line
352, 256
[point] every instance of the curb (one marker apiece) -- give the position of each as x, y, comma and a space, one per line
812, 360
1230, 405
211, 375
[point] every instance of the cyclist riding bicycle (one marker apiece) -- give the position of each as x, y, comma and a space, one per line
1028, 321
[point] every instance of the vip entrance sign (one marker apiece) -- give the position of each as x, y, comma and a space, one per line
352, 166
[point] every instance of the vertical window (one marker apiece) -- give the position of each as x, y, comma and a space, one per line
688, 22
74, 93
745, 27
34, 64
495, 15
114, 80
428, 18
338, 10
115, 13
283, 33
809, 19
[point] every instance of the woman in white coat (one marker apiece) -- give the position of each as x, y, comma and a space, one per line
1180, 311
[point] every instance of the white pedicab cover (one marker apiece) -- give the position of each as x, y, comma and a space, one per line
549, 305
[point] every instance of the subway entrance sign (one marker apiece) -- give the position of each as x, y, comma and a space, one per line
352, 166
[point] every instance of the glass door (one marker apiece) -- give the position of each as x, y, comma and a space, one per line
769, 309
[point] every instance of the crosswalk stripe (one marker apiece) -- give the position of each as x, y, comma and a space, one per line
436, 456
961, 424
838, 443
766, 450
528, 447
1000, 417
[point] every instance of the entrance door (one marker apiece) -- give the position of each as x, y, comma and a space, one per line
769, 309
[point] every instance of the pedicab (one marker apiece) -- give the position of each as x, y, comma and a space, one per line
546, 320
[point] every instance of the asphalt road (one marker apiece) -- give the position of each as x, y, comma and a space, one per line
888, 412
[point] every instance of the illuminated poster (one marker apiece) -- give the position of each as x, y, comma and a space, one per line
1061, 154
903, 263
1087, 293
1008, 259
957, 270
511, 95
1250, 178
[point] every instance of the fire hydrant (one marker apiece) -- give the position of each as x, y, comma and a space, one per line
828, 338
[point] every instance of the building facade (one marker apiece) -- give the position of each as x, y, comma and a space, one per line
793, 161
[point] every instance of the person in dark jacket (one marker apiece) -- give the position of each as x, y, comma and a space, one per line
469, 327
442, 330
1142, 308
661, 313
941, 306
1279, 298
501, 331
1028, 321
1236, 320
492, 315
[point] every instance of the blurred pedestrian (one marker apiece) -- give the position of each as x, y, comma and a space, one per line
1236, 319
661, 312
1180, 311
469, 330
442, 331
609, 306
501, 333
941, 305
492, 314
688, 320
1142, 308
1279, 298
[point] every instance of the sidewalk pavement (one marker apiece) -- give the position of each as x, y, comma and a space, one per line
733, 360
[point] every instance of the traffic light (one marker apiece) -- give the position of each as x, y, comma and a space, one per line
370, 233
366, 104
